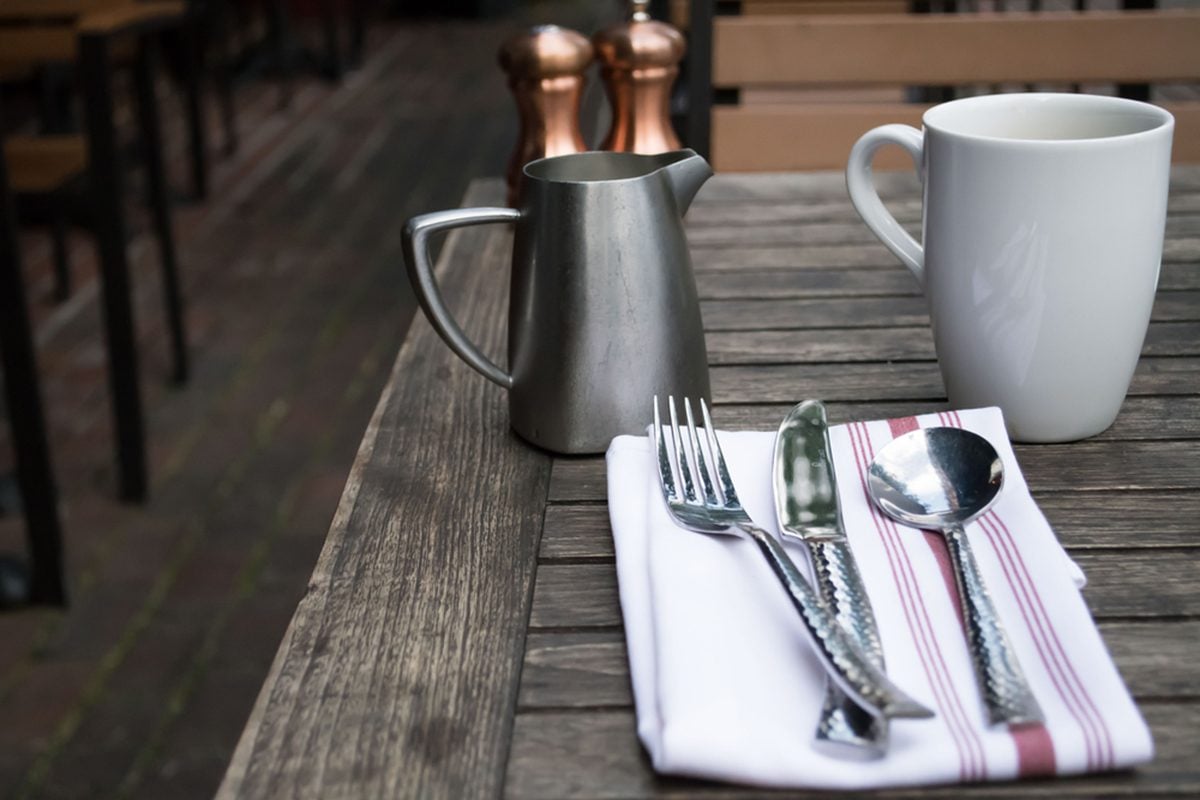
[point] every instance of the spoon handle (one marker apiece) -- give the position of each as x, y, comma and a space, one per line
1007, 697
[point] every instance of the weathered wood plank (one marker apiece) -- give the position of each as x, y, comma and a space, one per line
819, 187
712, 213
1124, 519
1176, 276
1141, 519
812, 187
828, 312
820, 346
575, 596
590, 669
801, 345
793, 258
1141, 583
782, 383
1176, 306
397, 675
1109, 466
1144, 583
813, 283
578, 480
1168, 417
705, 213
576, 532
1090, 466
851, 231
575, 670
885, 280
785, 235
863, 254
898, 312
1156, 659
595, 754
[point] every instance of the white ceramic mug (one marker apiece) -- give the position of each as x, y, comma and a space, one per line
1043, 230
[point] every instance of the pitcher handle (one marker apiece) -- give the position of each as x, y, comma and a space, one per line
860, 183
420, 275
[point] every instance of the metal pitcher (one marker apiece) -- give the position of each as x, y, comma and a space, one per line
603, 313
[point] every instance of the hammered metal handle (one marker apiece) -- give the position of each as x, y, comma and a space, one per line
1007, 698
856, 676
845, 726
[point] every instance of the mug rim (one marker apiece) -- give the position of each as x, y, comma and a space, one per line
932, 118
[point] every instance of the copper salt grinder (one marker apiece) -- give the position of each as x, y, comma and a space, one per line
545, 67
639, 61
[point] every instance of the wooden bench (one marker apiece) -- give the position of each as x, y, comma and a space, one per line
771, 49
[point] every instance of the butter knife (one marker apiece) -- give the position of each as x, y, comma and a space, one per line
806, 506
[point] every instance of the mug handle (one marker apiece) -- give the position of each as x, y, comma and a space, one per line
420, 275
861, 184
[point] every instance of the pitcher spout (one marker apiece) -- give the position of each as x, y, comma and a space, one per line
686, 172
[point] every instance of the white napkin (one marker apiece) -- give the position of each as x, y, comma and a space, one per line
727, 688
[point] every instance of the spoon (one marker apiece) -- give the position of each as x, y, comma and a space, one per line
942, 479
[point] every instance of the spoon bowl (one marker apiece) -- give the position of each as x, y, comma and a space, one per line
936, 477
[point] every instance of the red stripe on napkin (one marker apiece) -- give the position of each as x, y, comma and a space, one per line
1079, 703
1035, 747
970, 752
941, 554
1035, 750
935, 541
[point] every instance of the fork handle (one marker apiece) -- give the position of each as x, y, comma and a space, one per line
846, 664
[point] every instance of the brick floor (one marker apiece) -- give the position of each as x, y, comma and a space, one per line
297, 303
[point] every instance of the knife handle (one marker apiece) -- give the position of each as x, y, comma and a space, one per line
839, 655
845, 729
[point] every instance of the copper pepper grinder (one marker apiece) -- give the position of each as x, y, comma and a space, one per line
639, 61
545, 69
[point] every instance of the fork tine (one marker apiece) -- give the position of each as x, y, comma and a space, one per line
685, 469
666, 471
706, 483
727, 489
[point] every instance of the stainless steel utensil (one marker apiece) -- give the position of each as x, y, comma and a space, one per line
698, 503
602, 307
942, 479
806, 506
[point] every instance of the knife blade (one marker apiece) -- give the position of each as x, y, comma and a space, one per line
807, 509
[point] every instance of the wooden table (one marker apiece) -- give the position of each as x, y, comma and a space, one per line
461, 635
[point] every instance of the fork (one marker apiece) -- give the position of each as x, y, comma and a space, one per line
697, 503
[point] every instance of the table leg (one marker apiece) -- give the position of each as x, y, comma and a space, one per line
107, 207
281, 46
35, 476
190, 36
699, 77
1136, 91
218, 15
59, 234
333, 50
160, 204
358, 31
